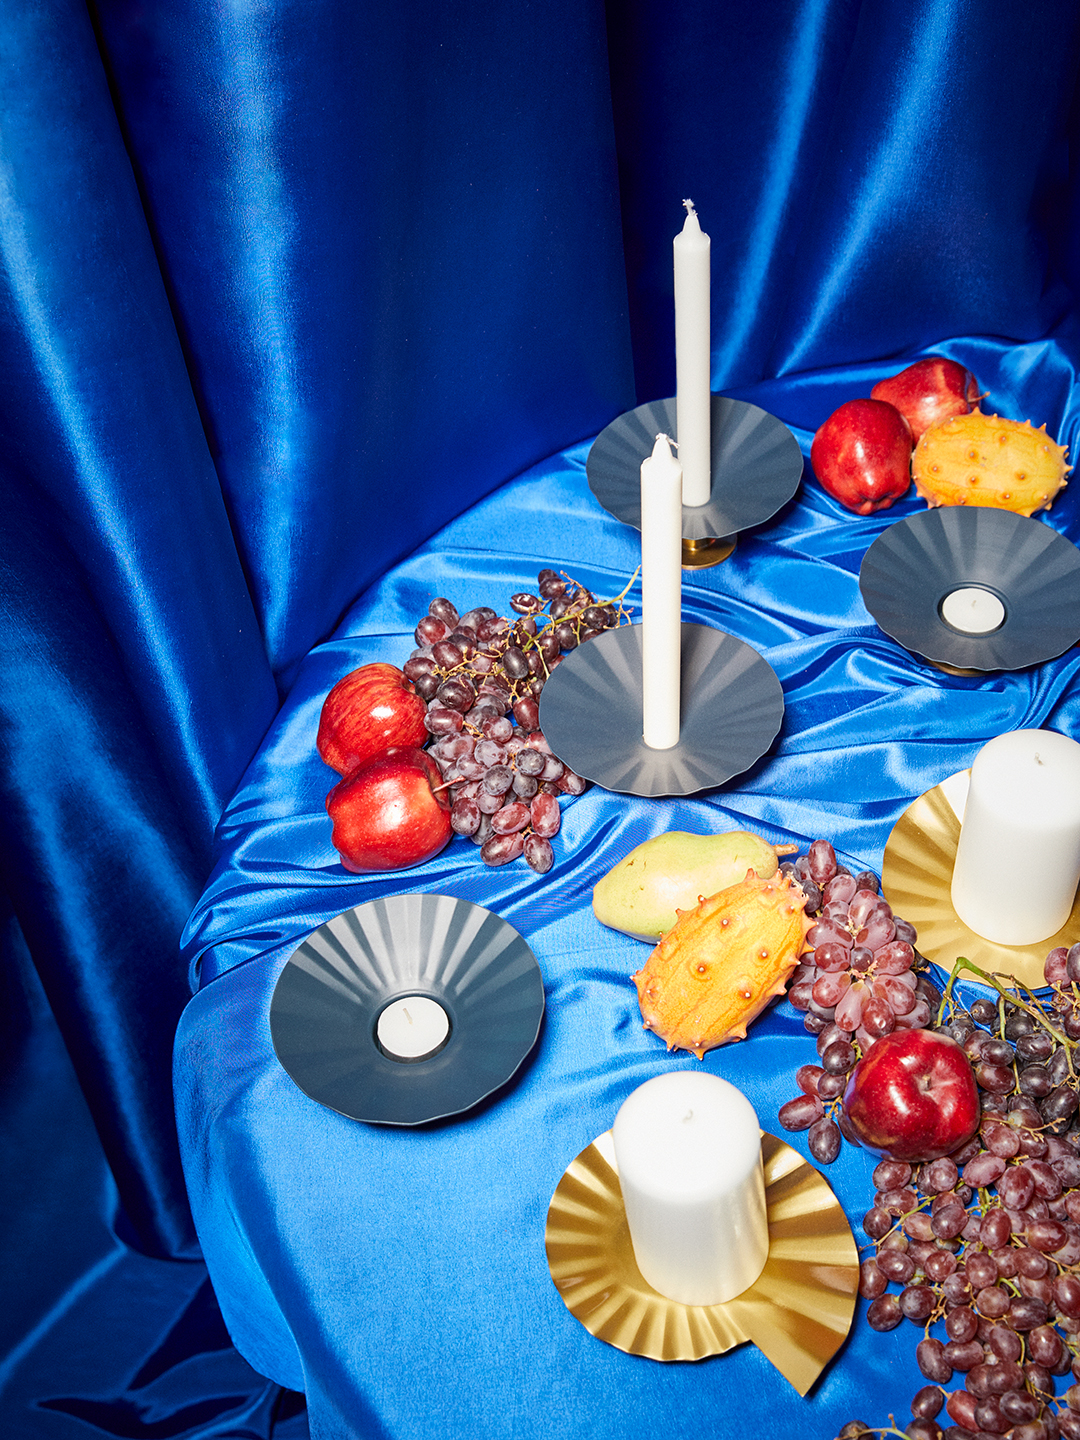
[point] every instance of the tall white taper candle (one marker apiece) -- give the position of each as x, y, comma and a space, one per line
661, 596
1018, 858
688, 1148
693, 358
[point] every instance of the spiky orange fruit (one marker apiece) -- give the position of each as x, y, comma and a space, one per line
722, 962
982, 459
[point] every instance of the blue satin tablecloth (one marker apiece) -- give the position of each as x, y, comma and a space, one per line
399, 1277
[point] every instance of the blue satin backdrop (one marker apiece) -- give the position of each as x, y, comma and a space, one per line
285, 289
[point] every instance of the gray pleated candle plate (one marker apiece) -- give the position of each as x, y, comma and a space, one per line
1033, 571
328, 999
756, 466
732, 707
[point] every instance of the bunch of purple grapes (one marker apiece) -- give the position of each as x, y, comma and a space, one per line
857, 983
481, 676
983, 1246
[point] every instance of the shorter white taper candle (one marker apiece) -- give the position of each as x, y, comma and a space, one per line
661, 596
1018, 858
693, 357
688, 1149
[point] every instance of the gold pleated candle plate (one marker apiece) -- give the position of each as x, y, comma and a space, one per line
798, 1311
916, 879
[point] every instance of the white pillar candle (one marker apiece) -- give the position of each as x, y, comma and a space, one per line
688, 1150
412, 1028
972, 609
1018, 858
661, 596
693, 358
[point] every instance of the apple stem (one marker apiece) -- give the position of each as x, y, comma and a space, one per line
1036, 1013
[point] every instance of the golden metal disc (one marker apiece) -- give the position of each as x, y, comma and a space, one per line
916, 879
700, 554
798, 1311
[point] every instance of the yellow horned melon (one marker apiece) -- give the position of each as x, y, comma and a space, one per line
722, 962
982, 459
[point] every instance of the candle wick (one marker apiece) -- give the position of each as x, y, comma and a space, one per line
405, 1012
1037, 760
688, 1117
689, 204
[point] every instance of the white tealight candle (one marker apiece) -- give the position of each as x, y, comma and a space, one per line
688, 1149
661, 596
972, 609
412, 1028
693, 358
1018, 858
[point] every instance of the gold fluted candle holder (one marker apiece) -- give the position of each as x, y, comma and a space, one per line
798, 1311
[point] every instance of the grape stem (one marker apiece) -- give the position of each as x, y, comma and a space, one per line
1039, 1015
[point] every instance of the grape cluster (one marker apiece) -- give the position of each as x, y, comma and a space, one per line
857, 983
982, 1247
481, 676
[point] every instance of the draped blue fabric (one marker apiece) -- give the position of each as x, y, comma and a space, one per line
289, 296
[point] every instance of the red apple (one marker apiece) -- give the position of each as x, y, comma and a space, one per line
369, 709
390, 812
913, 1096
930, 390
862, 455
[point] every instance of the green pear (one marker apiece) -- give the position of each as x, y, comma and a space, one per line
673, 872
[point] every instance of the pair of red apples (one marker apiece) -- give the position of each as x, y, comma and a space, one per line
390, 808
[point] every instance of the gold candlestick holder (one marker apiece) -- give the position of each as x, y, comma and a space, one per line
797, 1312
916, 879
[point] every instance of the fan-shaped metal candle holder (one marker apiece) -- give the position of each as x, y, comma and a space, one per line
916, 879
756, 468
797, 1312
914, 565
732, 707
335, 985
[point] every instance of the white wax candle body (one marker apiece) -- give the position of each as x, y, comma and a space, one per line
972, 609
688, 1148
1018, 858
661, 596
693, 358
412, 1028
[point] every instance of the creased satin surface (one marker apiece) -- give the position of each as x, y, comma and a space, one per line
404, 1272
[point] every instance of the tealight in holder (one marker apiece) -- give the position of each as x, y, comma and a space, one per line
407, 1009
974, 589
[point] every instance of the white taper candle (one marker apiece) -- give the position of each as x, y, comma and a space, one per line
693, 358
661, 596
1018, 857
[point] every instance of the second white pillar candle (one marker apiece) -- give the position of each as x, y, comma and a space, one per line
688, 1148
661, 596
1018, 857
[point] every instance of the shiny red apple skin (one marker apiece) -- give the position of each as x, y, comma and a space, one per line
930, 390
386, 813
913, 1096
371, 708
862, 455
